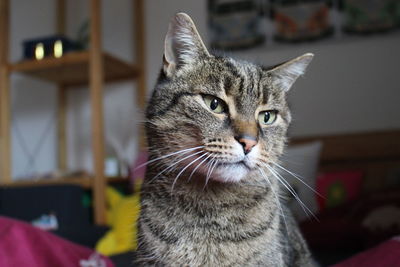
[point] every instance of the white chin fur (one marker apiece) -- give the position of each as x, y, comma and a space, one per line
233, 173
230, 174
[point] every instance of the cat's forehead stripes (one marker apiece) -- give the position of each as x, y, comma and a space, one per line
234, 78
243, 83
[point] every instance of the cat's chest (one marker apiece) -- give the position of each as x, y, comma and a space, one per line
195, 232
227, 243
207, 250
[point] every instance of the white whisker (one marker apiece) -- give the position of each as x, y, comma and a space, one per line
288, 187
298, 177
276, 197
187, 166
291, 190
204, 160
215, 163
175, 163
208, 166
187, 150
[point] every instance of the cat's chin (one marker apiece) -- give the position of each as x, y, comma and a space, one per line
230, 173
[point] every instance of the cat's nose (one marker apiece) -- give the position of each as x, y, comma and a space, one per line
248, 142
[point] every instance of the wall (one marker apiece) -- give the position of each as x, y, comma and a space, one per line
33, 105
120, 113
352, 85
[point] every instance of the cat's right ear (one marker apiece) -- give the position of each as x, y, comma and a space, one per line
183, 44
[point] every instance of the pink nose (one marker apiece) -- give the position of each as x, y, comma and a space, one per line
248, 142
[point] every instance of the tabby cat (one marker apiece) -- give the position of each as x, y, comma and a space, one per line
216, 128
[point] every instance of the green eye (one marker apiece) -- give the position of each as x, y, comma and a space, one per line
267, 117
214, 104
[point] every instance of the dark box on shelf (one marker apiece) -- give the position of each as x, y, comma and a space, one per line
47, 46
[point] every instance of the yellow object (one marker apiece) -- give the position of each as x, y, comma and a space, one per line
122, 217
39, 51
58, 49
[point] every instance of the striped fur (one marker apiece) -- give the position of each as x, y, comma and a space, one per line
210, 204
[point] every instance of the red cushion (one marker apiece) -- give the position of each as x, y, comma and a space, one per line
338, 188
24, 245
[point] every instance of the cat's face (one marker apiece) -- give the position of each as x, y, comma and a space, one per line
228, 117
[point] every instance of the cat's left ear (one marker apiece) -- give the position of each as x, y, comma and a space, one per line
183, 44
284, 75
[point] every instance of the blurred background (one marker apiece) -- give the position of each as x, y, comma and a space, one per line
345, 109
351, 86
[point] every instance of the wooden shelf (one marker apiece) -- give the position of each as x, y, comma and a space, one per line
72, 69
84, 181
84, 68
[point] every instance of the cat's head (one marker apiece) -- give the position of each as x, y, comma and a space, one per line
216, 116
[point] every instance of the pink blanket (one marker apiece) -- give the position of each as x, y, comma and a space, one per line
386, 254
24, 245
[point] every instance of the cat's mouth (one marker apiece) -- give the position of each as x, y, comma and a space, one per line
210, 167
242, 163
229, 171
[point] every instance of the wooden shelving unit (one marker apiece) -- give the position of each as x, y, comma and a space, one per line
72, 69
83, 181
93, 68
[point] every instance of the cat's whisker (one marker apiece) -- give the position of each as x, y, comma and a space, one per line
288, 187
198, 165
276, 197
306, 210
298, 177
174, 164
184, 151
208, 166
180, 153
209, 173
187, 166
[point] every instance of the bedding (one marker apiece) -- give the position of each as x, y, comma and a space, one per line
21, 244
387, 254
353, 227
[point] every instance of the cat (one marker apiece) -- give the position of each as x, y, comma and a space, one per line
215, 128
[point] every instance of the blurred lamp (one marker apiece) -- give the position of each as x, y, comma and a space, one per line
39, 51
58, 49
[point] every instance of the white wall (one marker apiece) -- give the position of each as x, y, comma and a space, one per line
120, 111
352, 85
33, 105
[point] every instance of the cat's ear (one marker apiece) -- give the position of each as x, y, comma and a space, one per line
284, 75
183, 44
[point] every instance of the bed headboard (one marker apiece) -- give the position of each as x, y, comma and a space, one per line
377, 154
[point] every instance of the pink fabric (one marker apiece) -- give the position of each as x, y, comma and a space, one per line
386, 254
139, 166
24, 245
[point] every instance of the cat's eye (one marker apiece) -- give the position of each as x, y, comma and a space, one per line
267, 117
214, 104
